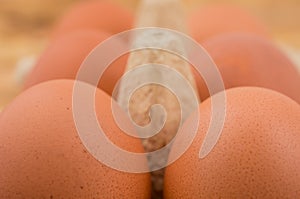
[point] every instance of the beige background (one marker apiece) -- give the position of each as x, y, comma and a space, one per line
26, 25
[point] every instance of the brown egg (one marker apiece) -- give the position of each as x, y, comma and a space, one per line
213, 20
249, 60
63, 58
101, 15
42, 156
257, 155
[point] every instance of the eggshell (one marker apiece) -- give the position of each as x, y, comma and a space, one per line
64, 56
257, 155
249, 60
101, 15
212, 20
42, 156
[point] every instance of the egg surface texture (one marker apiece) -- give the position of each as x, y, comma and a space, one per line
256, 156
42, 156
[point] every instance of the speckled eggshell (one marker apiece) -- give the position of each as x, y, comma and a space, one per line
42, 156
212, 20
103, 15
64, 56
257, 155
250, 60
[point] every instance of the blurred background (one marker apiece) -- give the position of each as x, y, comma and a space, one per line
25, 27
